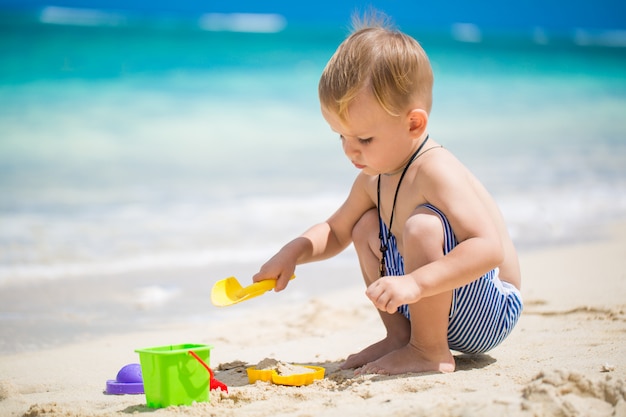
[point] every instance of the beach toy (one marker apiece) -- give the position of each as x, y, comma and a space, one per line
172, 375
229, 291
213, 383
127, 381
271, 375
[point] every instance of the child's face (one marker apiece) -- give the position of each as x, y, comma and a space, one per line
374, 141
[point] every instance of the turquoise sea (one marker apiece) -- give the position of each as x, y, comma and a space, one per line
145, 147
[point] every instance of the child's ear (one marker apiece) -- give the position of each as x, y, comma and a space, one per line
418, 121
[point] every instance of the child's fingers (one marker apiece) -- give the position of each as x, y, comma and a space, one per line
377, 294
382, 296
260, 276
282, 281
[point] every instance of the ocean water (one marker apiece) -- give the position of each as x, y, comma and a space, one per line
137, 147
148, 148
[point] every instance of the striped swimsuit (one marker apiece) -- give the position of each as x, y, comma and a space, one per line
483, 312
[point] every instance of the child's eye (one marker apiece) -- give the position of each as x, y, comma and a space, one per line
363, 141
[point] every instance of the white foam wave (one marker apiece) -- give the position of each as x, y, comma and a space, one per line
81, 17
154, 296
610, 38
59, 270
466, 32
243, 22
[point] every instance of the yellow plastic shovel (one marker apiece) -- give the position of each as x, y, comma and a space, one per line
229, 291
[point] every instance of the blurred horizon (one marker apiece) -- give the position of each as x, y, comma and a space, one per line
602, 21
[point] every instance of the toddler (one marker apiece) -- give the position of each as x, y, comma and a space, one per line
433, 247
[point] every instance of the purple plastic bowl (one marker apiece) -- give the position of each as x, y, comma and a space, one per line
128, 381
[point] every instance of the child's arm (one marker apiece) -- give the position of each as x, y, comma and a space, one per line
321, 241
474, 218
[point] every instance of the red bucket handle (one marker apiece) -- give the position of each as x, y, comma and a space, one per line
214, 383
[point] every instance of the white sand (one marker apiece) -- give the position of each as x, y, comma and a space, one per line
567, 356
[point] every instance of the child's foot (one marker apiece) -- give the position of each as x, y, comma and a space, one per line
409, 359
372, 353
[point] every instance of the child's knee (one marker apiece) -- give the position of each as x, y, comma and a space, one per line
423, 230
365, 227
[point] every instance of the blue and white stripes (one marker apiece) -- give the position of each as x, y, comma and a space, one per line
483, 312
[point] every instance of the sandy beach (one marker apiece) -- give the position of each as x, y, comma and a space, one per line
566, 357
146, 153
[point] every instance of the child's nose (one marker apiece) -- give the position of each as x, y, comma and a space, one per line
350, 149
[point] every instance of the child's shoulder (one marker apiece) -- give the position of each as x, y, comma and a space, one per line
439, 164
436, 158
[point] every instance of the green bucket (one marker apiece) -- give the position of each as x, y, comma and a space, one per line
171, 376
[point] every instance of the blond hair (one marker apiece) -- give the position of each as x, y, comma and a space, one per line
390, 63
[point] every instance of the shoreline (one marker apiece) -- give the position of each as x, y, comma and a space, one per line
77, 309
566, 352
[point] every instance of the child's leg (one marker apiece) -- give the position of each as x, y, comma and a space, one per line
427, 349
367, 244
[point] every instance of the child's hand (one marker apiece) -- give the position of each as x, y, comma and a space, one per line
389, 293
277, 269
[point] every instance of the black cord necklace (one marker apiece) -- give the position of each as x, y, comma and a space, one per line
383, 247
